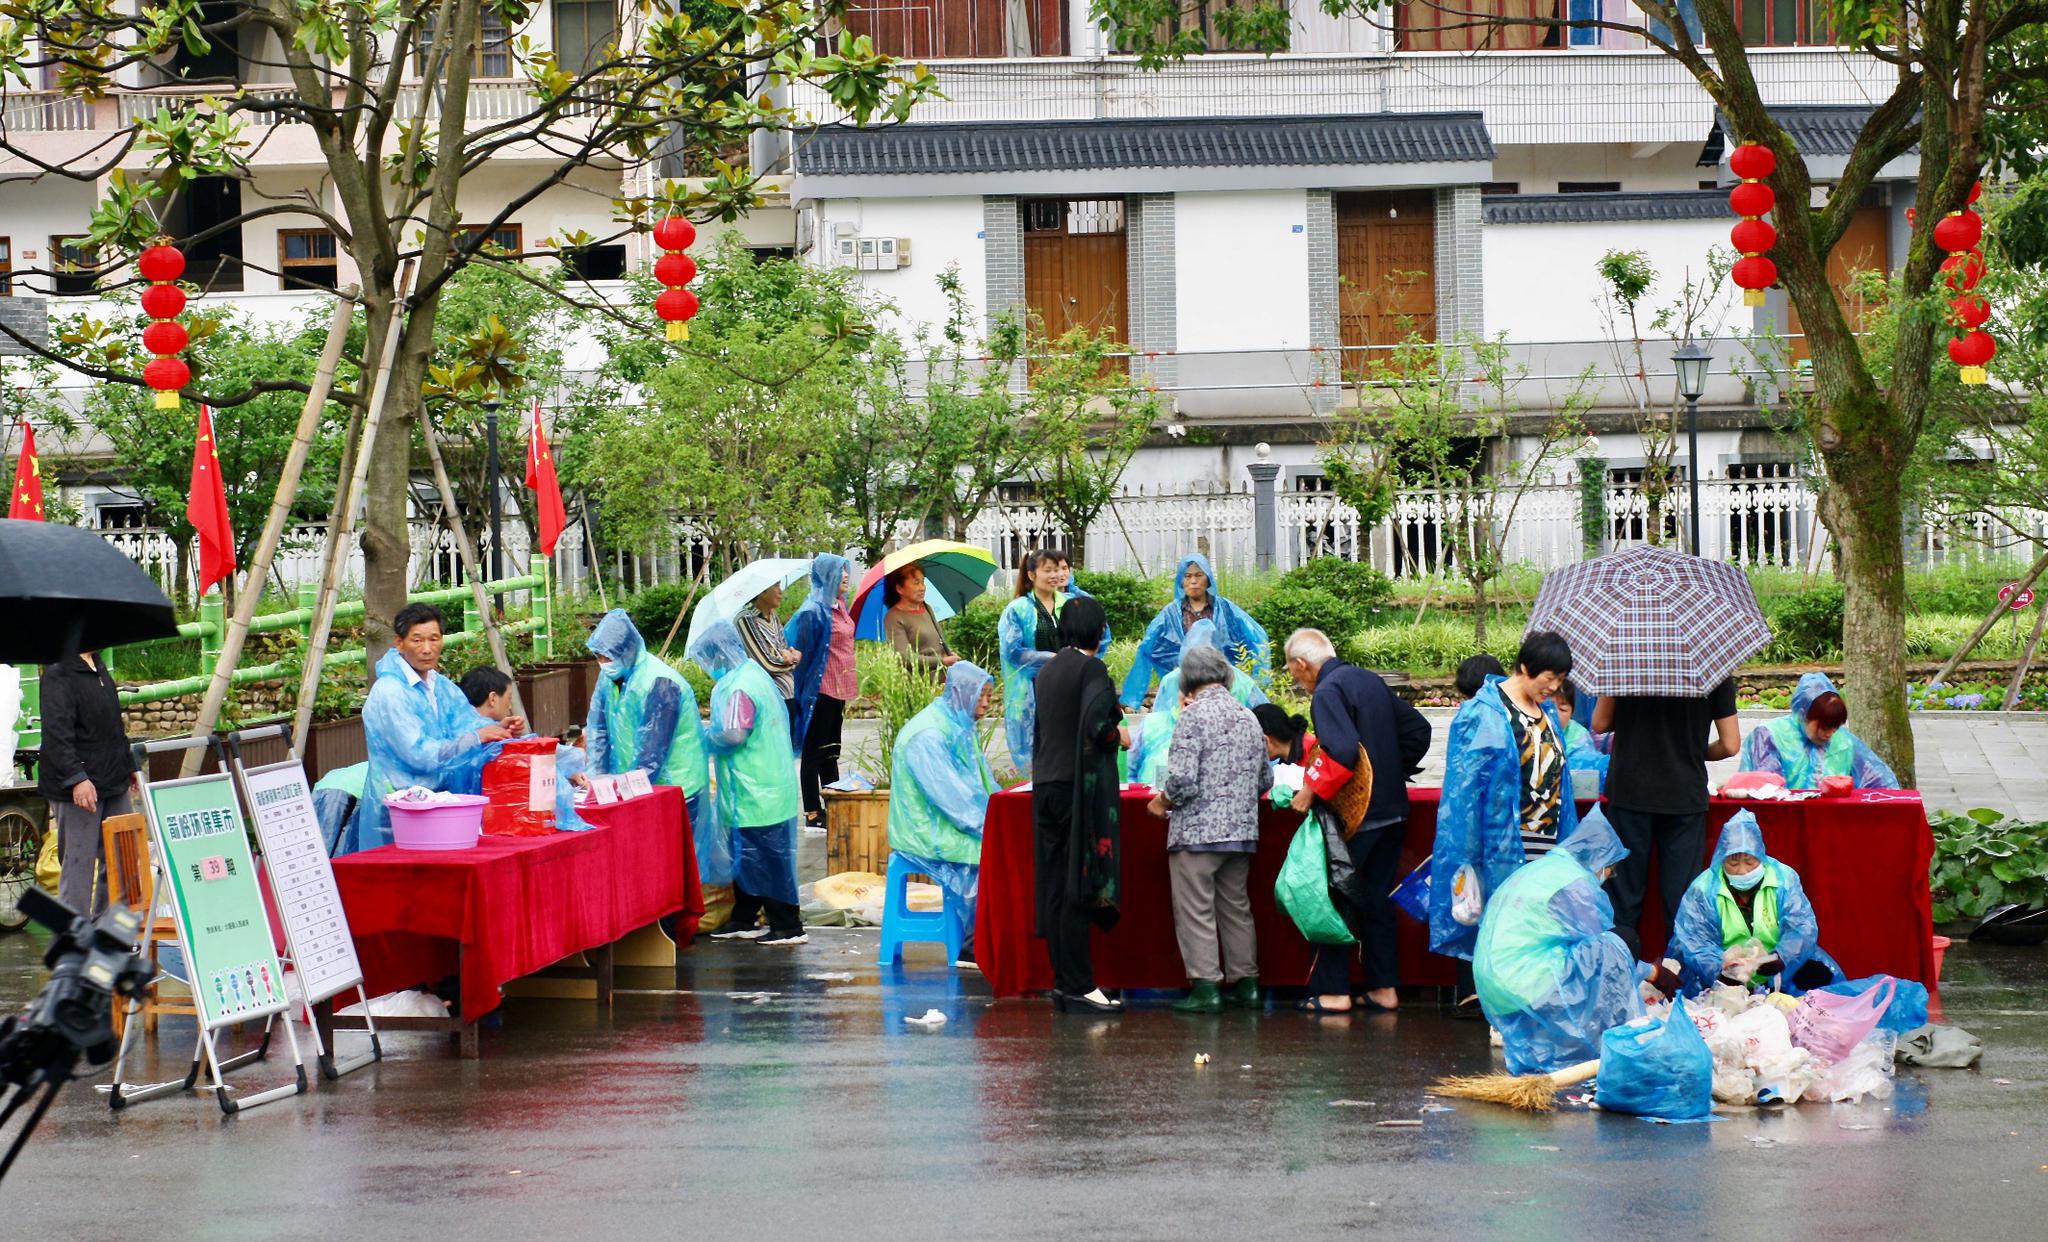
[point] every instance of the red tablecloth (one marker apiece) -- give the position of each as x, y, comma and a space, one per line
515, 905
1863, 860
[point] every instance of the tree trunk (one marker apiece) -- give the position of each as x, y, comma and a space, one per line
1479, 611
1866, 515
387, 544
1077, 545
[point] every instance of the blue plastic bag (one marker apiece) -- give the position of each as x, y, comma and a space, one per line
1908, 1010
1412, 894
1660, 1068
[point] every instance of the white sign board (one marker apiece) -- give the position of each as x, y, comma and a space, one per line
302, 880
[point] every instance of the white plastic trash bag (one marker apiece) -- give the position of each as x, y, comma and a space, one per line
403, 1005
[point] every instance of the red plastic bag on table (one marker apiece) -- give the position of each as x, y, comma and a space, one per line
520, 783
1836, 786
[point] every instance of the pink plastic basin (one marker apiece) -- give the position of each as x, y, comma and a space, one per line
452, 825
1941, 944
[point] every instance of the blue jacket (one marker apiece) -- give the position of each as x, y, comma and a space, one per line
810, 631
1351, 706
1241, 638
423, 733
1697, 935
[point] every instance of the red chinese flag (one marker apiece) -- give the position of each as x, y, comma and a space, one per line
207, 508
26, 501
547, 490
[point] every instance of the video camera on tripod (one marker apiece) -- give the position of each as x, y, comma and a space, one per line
91, 961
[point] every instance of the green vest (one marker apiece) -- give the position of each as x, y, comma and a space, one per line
1763, 921
625, 706
757, 783
915, 825
1166, 711
1795, 753
1513, 963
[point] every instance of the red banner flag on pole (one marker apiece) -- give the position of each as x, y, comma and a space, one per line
26, 501
547, 490
207, 508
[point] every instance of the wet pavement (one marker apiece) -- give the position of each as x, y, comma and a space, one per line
816, 1112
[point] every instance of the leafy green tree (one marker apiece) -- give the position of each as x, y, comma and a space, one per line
1090, 418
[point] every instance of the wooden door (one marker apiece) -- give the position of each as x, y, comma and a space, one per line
1386, 272
1865, 247
1075, 266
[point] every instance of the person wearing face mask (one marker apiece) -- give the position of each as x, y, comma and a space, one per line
1506, 798
1809, 742
939, 783
643, 716
1551, 973
1746, 921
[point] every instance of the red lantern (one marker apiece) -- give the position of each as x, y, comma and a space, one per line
675, 270
1976, 190
1909, 217
1752, 161
167, 376
1753, 274
1970, 311
1971, 352
1960, 230
160, 263
163, 301
166, 336
676, 308
675, 233
1964, 270
1751, 198
1753, 237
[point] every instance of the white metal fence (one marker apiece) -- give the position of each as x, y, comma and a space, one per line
1748, 522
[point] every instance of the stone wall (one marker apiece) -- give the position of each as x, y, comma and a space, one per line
176, 717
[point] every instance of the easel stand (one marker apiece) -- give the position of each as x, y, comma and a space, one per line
322, 953
200, 853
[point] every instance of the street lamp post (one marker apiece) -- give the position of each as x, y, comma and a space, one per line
1691, 360
497, 501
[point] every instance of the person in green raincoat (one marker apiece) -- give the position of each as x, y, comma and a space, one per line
1155, 736
748, 737
1746, 920
939, 785
644, 716
1809, 742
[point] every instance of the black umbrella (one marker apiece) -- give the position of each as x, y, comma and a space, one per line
64, 590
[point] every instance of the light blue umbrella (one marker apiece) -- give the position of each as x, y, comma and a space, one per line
728, 597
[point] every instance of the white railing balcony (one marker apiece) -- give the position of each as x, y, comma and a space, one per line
44, 112
136, 106
1537, 96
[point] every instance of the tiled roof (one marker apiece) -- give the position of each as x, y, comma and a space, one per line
1604, 208
1067, 146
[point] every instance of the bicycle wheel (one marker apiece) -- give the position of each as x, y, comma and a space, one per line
21, 840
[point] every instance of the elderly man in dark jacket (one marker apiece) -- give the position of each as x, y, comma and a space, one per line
85, 770
1353, 712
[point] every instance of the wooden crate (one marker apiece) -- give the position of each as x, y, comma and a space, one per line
856, 831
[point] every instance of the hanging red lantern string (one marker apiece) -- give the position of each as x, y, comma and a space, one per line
1961, 233
163, 301
1753, 273
675, 305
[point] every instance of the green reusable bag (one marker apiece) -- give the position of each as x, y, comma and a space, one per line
1303, 885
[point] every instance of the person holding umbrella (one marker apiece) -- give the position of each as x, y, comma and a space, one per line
766, 647
920, 586
87, 771
1656, 634
910, 625
748, 737
822, 633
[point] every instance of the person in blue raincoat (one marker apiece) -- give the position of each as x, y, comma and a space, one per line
1581, 752
1745, 920
418, 727
1027, 637
939, 785
1809, 742
825, 679
1552, 975
643, 716
748, 737
1242, 639
1154, 739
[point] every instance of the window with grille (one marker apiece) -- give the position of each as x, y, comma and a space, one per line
583, 30
1784, 23
74, 266
308, 258
6, 267
504, 238
490, 57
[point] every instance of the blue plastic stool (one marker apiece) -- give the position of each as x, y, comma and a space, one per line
901, 925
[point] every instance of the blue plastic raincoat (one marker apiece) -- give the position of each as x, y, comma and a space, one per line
748, 736
1581, 755
643, 715
1150, 749
1479, 821
1782, 746
1781, 918
419, 731
939, 785
1241, 638
1026, 644
810, 631
1552, 974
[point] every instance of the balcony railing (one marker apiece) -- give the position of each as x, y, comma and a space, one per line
44, 111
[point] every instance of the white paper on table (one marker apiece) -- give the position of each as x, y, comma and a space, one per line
605, 789
633, 784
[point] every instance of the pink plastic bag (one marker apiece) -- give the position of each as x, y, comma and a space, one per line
1830, 1026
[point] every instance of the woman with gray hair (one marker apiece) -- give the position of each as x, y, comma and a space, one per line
1215, 775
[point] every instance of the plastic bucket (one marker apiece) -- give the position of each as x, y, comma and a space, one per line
1941, 944
448, 825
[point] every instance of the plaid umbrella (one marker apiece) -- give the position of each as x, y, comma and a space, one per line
1652, 621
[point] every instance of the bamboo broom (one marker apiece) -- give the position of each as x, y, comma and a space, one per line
1529, 1093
